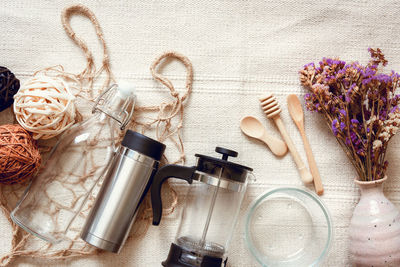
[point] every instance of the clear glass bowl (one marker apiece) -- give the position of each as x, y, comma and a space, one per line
288, 227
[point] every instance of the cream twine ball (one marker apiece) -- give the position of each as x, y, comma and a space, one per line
45, 106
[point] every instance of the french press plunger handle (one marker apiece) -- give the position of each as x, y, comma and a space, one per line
226, 152
163, 174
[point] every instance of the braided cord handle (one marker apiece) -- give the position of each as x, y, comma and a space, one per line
90, 71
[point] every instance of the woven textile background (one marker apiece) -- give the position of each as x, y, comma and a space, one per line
239, 50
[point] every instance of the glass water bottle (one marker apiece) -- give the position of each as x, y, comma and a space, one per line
76, 163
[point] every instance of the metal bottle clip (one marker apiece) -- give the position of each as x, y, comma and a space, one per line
125, 116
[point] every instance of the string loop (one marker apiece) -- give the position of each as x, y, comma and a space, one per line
90, 71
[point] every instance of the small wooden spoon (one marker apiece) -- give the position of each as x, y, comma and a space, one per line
296, 112
252, 127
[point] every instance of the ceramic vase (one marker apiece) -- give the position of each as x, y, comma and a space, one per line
374, 228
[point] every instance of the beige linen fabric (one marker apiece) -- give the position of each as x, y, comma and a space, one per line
239, 50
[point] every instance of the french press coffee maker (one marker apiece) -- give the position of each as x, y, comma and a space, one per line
211, 208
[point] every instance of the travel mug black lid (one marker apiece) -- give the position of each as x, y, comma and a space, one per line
143, 144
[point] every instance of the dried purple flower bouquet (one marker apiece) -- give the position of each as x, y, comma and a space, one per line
360, 107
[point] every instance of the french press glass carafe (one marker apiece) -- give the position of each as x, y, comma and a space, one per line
211, 208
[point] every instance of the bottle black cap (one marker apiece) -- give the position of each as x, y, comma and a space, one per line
143, 144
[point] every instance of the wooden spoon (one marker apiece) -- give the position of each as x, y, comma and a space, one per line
252, 127
296, 112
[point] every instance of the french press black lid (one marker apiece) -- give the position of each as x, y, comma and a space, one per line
231, 171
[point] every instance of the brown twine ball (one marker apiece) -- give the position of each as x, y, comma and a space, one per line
19, 154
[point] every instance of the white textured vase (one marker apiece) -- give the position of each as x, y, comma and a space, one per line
374, 228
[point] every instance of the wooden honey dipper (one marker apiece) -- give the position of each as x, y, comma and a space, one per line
271, 108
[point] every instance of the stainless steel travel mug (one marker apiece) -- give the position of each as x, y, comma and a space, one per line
126, 183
